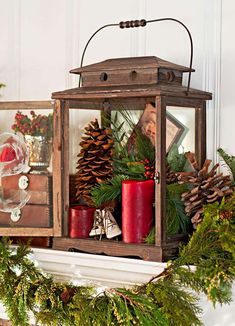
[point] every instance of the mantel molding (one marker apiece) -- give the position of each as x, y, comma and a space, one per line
99, 270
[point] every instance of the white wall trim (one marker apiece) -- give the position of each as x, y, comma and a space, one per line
212, 72
72, 43
218, 43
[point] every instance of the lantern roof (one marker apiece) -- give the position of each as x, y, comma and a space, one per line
129, 78
130, 63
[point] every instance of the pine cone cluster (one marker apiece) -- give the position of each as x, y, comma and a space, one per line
207, 187
95, 160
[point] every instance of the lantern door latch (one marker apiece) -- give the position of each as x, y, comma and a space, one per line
157, 177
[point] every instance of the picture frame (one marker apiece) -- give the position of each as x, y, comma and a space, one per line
175, 130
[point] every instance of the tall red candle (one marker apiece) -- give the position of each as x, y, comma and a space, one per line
81, 220
137, 209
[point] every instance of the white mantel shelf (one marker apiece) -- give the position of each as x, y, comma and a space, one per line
104, 271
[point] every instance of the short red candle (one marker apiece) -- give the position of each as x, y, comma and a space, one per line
137, 209
81, 219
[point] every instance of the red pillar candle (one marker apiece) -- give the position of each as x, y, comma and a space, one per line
81, 219
137, 209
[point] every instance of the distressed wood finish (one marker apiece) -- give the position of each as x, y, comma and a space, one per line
109, 247
40, 188
160, 188
200, 133
117, 84
123, 92
26, 232
31, 216
26, 105
120, 249
61, 168
57, 168
65, 170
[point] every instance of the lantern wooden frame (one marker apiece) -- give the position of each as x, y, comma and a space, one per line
159, 81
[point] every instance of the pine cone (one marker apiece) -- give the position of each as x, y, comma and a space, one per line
67, 294
95, 160
226, 214
171, 176
208, 187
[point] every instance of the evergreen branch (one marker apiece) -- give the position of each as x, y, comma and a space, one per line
176, 160
211, 250
105, 192
229, 160
163, 301
177, 221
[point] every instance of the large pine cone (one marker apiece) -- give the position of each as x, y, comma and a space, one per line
207, 187
95, 160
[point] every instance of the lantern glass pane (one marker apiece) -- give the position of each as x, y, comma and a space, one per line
94, 163
26, 138
78, 121
181, 128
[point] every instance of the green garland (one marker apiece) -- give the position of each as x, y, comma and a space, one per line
165, 300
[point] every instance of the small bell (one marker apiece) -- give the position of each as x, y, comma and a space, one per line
111, 227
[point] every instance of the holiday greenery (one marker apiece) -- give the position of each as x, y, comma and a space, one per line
34, 125
205, 265
139, 165
229, 160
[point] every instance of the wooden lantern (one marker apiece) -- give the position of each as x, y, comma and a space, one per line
133, 82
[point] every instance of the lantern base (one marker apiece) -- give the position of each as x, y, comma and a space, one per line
120, 249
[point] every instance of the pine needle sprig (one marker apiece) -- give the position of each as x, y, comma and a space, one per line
211, 250
105, 192
229, 160
177, 221
173, 299
176, 161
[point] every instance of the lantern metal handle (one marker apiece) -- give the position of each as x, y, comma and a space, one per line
142, 23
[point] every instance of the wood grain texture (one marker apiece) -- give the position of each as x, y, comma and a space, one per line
120, 249
109, 247
26, 105
31, 216
200, 134
57, 169
39, 188
26, 232
38, 182
160, 188
130, 91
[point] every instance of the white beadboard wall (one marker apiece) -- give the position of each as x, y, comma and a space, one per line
42, 40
